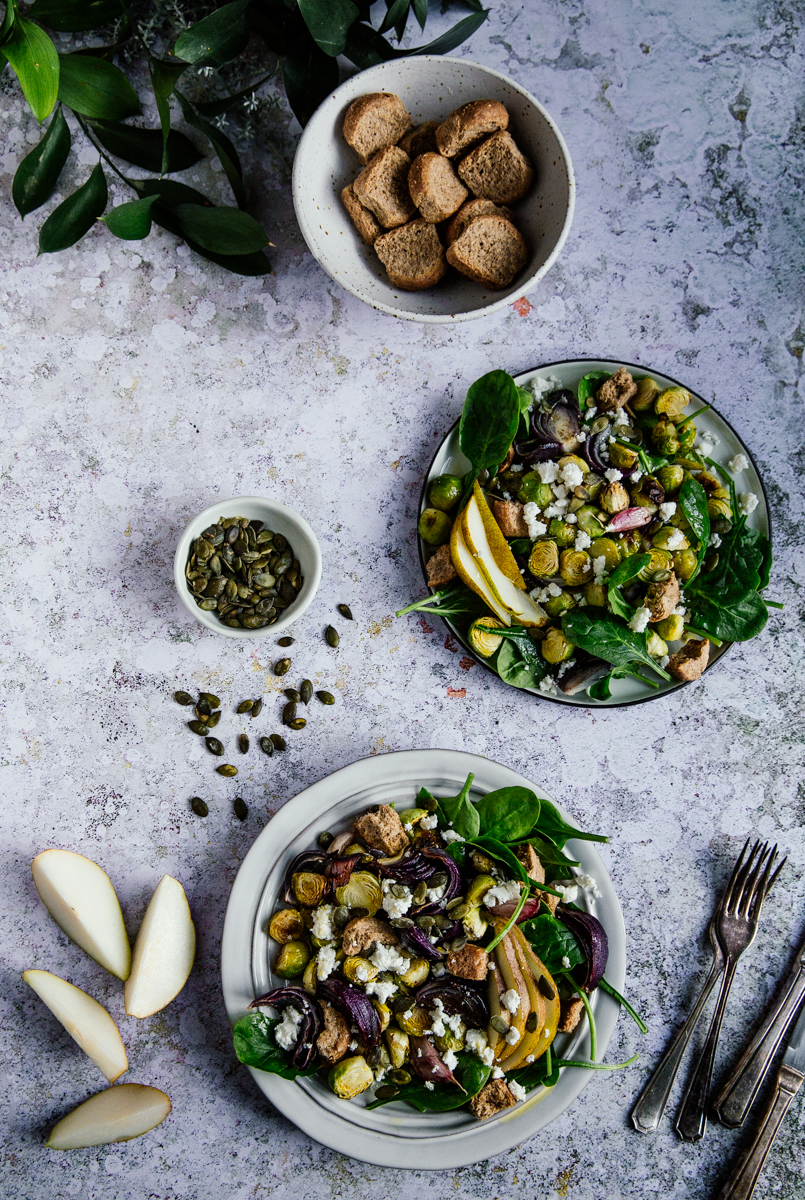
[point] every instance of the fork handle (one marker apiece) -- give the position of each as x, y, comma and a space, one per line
741, 1087
651, 1103
692, 1120
741, 1182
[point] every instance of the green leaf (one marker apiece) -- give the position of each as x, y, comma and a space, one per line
396, 18
254, 1044
38, 173
460, 812
420, 8
452, 38
366, 47
588, 384
526, 399
76, 215
729, 617
555, 862
143, 147
33, 59
520, 663
452, 601
489, 420
131, 221
223, 230
542, 1073
508, 814
607, 638
164, 77
74, 16
471, 1074
217, 39
552, 824
9, 17
96, 88
624, 573
329, 22
310, 75
552, 942
226, 152
214, 108
693, 503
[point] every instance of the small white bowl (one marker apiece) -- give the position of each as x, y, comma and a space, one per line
276, 517
430, 86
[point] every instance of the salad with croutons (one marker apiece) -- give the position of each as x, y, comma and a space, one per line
426, 959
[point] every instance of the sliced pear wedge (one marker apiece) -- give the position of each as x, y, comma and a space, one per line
469, 572
85, 1020
164, 951
115, 1115
509, 968
530, 1042
498, 546
552, 1007
80, 898
512, 598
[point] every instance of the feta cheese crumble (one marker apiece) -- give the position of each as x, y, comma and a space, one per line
667, 510
512, 1037
566, 962
449, 836
510, 1000
517, 1090
548, 686
429, 822
498, 1073
450, 1060
572, 474
325, 962
548, 472
539, 386
531, 517
503, 892
739, 463
568, 891
589, 885
286, 1034
747, 503
429, 1085
396, 906
675, 540
612, 474
387, 958
715, 541
322, 927
475, 1042
640, 620
583, 540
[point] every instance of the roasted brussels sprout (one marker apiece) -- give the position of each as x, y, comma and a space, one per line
671, 628
361, 890
596, 595
309, 887
664, 437
478, 888
687, 436
451, 1039
474, 924
350, 1077
614, 498
292, 959
659, 560
556, 605
416, 974
630, 543
434, 527
309, 978
608, 549
575, 567
556, 648
668, 538
562, 532
413, 1020
672, 402
671, 478
384, 1012
397, 1045
359, 970
647, 392
567, 459
684, 564
410, 816
482, 637
594, 485
286, 926
482, 862
533, 490
655, 645
622, 456
587, 518
719, 508
544, 559
444, 493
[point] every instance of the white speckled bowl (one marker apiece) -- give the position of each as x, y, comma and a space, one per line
277, 517
430, 86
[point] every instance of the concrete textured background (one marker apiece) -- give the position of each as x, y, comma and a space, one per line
139, 383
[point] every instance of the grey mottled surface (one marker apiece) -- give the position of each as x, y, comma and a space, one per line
140, 383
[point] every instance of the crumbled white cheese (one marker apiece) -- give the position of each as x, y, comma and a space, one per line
517, 1090
572, 474
490, 966
554, 589
548, 472
325, 962
437, 1025
747, 503
510, 1000
396, 906
715, 541
640, 620
362, 972
636, 475
600, 568
382, 989
571, 518
539, 386
535, 527
565, 666
568, 893
680, 611
450, 1060
501, 893
705, 445
739, 463
449, 836
286, 1033
433, 895
589, 885
553, 511
429, 822
429, 1085
583, 540
322, 927
675, 540
612, 473
664, 661
531, 1058
475, 1042
548, 686
560, 491
453, 1022
566, 962
516, 468
512, 1037
408, 827
497, 1073
590, 411
667, 510
387, 958
507, 495
535, 594
438, 969
353, 1045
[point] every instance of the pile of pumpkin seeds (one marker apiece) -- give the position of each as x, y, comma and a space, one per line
244, 573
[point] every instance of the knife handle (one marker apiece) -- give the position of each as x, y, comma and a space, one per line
740, 1089
741, 1182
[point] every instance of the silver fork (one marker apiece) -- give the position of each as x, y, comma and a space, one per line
736, 926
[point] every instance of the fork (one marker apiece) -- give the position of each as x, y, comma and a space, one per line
736, 926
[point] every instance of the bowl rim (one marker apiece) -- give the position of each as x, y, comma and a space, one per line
668, 690
334, 100
291, 614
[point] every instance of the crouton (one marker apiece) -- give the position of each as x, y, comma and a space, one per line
420, 139
616, 391
510, 519
569, 1015
435, 188
527, 855
662, 598
374, 122
382, 830
490, 251
689, 662
551, 901
360, 932
412, 255
493, 1098
362, 218
468, 212
497, 170
333, 1041
471, 962
382, 186
468, 124
440, 568
508, 460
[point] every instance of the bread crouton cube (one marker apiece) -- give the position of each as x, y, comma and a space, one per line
527, 855
333, 1041
468, 124
420, 139
494, 1097
569, 1015
490, 250
440, 568
362, 218
497, 170
689, 662
382, 830
382, 186
374, 122
435, 188
510, 519
412, 255
468, 212
662, 598
360, 932
471, 962
616, 391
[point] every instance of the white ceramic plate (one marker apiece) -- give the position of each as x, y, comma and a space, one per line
395, 1135
449, 460
430, 86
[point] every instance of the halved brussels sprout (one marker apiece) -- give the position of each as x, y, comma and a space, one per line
473, 923
567, 459
544, 559
451, 1039
672, 401
671, 628
482, 638
659, 560
667, 539
575, 567
630, 543
383, 1011
647, 392
684, 565
533, 490
671, 478
480, 885
608, 549
556, 605
361, 890
286, 926
594, 485
292, 959
413, 1020
397, 1044
622, 456
445, 492
359, 970
687, 436
596, 595
587, 518
655, 645
309, 978
664, 437
614, 498
416, 974
718, 508
562, 532
410, 816
350, 1077
556, 648
309, 887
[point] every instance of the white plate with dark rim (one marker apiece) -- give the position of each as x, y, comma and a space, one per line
448, 459
396, 1135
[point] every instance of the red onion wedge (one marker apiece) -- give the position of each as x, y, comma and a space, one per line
310, 1026
591, 936
356, 1006
630, 518
426, 1063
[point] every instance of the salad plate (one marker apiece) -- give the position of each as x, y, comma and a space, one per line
719, 445
386, 1135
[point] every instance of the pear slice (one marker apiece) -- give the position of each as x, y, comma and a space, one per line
470, 573
163, 952
552, 1007
115, 1115
499, 547
80, 898
85, 1020
509, 968
513, 598
530, 1043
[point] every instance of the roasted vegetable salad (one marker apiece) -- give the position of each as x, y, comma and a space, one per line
426, 960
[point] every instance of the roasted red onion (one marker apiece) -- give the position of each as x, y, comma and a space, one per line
356, 1006
342, 868
308, 860
310, 1027
596, 450
592, 938
583, 674
418, 942
412, 868
530, 908
630, 518
457, 997
426, 1063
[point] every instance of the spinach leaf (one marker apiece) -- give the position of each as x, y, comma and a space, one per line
453, 601
508, 814
729, 617
649, 463
624, 573
520, 663
489, 420
520, 545
542, 1073
601, 689
552, 824
471, 1074
254, 1043
588, 384
525, 399
554, 860
460, 812
496, 849
693, 503
608, 639
725, 602
553, 942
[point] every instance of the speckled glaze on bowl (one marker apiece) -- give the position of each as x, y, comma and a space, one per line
280, 519
430, 86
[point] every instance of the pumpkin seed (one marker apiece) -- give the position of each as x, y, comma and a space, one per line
460, 911
425, 922
227, 769
278, 741
244, 706
282, 667
547, 989
241, 811
454, 905
386, 1091
213, 719
325, 697
289, 713
324, 839
243, 743
298, 723
420, 892
331, 637
458, 943
398, 890
286, 641
439, 880
400, 1077
267, 746
214, 746
531, 1022
212, 700
183, 698
345, 611
499, 1025
306, 691
292, 694
257, 708
198, 727
207, 604
402, 923
341, 916
203, 710
199, 807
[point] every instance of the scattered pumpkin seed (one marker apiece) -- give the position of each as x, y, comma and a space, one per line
213, 719
386, 1091
282, 667
289, 713
325, 697
212, 700
546, 988
331, 637
267, 746
345, 611
243, 743
400, 1077
183, 698
257, 708
297, 723
306, 691
198, 727
292, 694
203, 710
286, 641
324, 839
214, 746
499, 1025
421, 892
244, 706
454, 905
278, 741
530, 1022
459, 943
199, 807
227, 769
241, 811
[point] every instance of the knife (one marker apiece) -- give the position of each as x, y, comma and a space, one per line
740, 1089
741, 1183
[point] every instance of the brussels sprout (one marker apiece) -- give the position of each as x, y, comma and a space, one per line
659, 560
444, 493
556, 648
309, 887
292, 960
413, 1020
587, 518
596, 595
482, 862
647, 392
594, 485
451, 1039
655, 645
410, 816
384, 1012
534, 491
671, 478
719, 508
286, 926
361, 890
671, 628
350, 1077
687, 436
544, 559
607, 548
614, 498
434, 527
622, 456
684, 565
359, 970
567, 459
649, 493
664, 437
474, 924
672, 402
711, 484
668, 534
482, 638
557, 605
630, 543
417, 973
309, 978
478, 888
575, 567
397, 1044
563, 533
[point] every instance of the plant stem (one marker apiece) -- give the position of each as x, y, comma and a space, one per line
595, 1066
511, 921
591, 1020
100, 150
704, 634
693, 416
772, 603
610, 990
